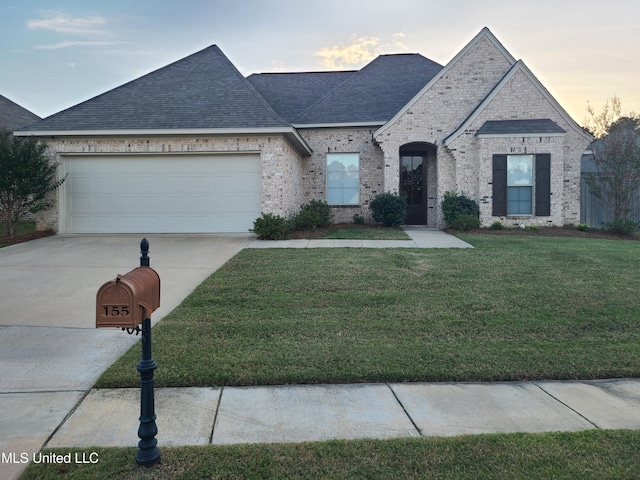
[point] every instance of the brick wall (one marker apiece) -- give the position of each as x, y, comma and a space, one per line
329, 140
282, 191
441, 109
465, 165
473, 156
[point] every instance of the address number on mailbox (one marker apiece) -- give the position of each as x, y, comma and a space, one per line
116, 310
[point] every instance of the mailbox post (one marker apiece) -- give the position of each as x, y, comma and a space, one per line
148, 451
127, 302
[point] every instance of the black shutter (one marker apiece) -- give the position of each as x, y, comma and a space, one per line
543, 185
499, 185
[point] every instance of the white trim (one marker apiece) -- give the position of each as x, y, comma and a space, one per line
518, 135
485, 32
302, 126
152, 131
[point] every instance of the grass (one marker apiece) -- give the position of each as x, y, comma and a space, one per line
594, 454
21, 228
356, 233
513, 308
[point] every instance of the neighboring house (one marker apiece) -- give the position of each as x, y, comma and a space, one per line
13, 116
196, 147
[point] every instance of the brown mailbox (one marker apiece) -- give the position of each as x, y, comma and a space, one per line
129, 299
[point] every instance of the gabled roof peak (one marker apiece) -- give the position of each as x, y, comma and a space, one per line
203, 90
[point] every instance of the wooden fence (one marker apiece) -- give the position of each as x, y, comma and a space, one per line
594, 213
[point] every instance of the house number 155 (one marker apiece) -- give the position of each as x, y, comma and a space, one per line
116, 310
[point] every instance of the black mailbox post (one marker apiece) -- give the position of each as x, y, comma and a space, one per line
128, 302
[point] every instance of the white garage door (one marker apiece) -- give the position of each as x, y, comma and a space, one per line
162, 193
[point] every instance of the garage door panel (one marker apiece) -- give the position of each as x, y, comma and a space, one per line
162, 194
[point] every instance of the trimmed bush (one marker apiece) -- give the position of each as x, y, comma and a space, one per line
497, 225
270, 227
312, 215
465, 222
388, 208
621, 227
455, 205
358, 219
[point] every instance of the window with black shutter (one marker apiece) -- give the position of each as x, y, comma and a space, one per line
499, 185
521, 185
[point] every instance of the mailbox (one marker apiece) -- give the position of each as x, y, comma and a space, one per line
129, 299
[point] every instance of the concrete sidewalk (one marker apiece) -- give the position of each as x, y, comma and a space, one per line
300, 413
420, 237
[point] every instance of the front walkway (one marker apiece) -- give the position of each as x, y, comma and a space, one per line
420, 238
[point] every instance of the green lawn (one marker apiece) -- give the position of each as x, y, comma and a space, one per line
513, 308
371, 233
594, 454
21, 229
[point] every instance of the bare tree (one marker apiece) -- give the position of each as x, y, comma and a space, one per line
616, 157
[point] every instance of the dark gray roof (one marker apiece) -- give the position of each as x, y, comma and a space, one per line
290, 93
517, 127
375, 93
13, 116
203, 90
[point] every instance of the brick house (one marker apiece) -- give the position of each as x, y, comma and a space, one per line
196, 147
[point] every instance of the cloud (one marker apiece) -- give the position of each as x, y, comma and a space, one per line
358, 52
67, 44
397, 39
63, 23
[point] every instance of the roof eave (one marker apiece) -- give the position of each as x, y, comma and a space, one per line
303, 126
520, 134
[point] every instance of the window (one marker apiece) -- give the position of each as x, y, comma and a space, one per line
519, 184
522, 185
343, 179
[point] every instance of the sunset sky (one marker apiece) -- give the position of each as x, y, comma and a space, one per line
57, 53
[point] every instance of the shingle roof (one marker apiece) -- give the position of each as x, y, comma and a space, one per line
517, 127
204, 90
13, 116
290, 93
373, 94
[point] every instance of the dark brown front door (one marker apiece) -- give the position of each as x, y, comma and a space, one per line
413, 180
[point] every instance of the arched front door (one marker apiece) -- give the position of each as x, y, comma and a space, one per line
414, 160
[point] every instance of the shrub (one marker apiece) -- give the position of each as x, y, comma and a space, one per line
497, 225
532, 228
583, 227
388, 208
270, 227
621, 227
454, 205
312, 215
358, 219
465, 222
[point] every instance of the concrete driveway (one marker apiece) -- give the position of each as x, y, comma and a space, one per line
50, 351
